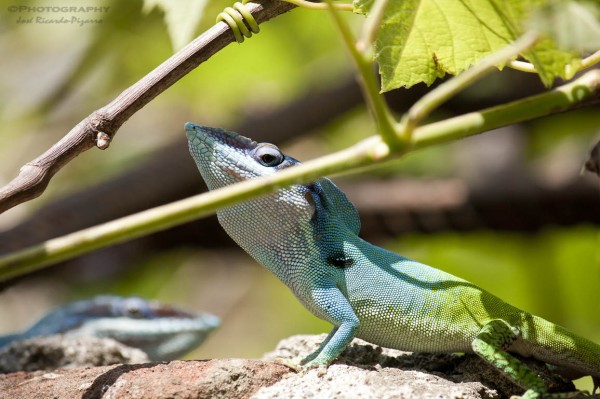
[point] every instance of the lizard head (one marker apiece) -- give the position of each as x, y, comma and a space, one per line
289, 220
224, 158
257, 225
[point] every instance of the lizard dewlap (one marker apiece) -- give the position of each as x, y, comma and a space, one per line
307, 235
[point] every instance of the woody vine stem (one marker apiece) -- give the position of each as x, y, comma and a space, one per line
393, 140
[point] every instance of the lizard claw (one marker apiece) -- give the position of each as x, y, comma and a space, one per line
314, 364
321, 369
303, 369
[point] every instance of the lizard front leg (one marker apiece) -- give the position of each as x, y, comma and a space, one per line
321, 346
329, 302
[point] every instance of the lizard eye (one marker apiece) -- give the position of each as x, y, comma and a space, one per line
133, 311
268, 155
135, 308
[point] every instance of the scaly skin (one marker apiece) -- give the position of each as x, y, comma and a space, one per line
162, 331
307, 235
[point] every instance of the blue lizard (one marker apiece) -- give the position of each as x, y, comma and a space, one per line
307, 235
162, 331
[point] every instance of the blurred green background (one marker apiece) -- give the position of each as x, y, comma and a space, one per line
53, 75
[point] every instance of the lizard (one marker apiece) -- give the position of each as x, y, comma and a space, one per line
308, 236
162, 331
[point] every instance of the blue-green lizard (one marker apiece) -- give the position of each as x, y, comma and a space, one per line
307, 235
162, 331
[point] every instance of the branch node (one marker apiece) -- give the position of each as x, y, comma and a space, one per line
101, 129
100, 121
107, 120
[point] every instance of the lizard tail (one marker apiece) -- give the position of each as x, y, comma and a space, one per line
573, 356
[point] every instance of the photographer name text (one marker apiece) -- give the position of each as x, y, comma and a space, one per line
58, 21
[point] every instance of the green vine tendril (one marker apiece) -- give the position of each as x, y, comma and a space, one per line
242, 23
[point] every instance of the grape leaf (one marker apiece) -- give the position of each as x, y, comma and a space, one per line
181, 17
573, 25
422, 40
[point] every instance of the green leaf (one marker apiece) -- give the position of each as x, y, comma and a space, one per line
181, 16
422, 40
573, 25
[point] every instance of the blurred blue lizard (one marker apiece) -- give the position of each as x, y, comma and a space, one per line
162, 331
307, 235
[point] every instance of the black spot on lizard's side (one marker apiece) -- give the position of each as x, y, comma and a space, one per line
340, 261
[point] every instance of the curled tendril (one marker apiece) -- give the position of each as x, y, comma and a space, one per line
240, 20
242, 23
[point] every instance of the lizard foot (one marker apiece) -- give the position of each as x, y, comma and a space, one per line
290, 363
311, 362
532, 394
321, 369
302, 369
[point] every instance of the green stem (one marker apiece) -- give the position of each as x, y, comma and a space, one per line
366, 77
317, 6
590, 60
432, 100
587, 62
557, 100
366, 152
371, 27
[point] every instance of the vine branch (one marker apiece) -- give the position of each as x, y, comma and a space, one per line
98, 129
584, 90
524, 66
361, 54
432, 100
